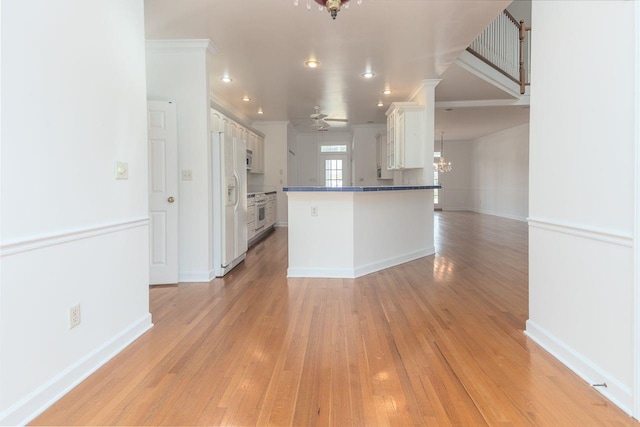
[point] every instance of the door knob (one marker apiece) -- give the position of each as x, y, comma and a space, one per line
171, 199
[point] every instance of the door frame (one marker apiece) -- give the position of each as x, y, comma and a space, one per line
173, 275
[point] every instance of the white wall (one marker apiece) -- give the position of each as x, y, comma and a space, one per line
457, 184
500, 173
308, 151
581, 210
364, 155
292, 162
73, 92
275, 163
178, 72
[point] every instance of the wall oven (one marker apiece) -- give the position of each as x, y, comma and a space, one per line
261, 211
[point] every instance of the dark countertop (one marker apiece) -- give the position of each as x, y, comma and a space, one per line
361, 189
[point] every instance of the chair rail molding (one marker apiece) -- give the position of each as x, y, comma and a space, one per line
594, 233
45, 240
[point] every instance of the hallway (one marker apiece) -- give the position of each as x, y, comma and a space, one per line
437, 341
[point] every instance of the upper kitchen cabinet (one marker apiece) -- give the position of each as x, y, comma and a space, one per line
382, 170
254, 141
256, 145
405, 136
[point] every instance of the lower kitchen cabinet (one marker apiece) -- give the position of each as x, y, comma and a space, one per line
261, 214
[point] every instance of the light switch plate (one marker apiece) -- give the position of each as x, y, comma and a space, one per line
122, 170
187, 175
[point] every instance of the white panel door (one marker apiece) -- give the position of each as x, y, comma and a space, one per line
163, 192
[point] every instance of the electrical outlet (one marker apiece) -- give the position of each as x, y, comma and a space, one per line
314, 211
74, 316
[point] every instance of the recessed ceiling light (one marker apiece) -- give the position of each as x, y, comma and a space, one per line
246, 99
260, 111
448, 109
312, 63
386, 91
368, 74
380, 104
226, 79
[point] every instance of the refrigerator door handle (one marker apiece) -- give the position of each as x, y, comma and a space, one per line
237, 181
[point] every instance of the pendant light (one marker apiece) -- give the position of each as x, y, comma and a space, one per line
442, 166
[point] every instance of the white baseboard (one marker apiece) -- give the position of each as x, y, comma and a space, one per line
363, 270
457, 209
330, 273
38, 401
195, 276
281, 224
358, 271
615, 391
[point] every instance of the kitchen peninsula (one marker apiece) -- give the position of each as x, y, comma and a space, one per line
348, 232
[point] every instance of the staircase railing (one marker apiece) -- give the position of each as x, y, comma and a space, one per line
506, 46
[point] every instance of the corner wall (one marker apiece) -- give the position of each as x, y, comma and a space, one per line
500, 179
177, 70
72, 234
581, 226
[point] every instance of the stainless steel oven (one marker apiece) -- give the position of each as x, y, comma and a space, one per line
261, 211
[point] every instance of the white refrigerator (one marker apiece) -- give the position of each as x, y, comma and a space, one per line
229, 201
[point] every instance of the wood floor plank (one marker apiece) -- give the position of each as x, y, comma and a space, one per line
434, 342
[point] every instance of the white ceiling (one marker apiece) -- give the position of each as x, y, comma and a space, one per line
263, 45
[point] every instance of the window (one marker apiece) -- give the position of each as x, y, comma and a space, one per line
333, 173
333, 149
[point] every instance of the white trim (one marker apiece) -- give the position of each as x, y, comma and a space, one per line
39, 400
636, 246
195, 276
615, 391
500, 132
45, 240
180, 46
281, 224
372, 267
478, 68
522, 101
358, 271
593, 233
330, 273
428, 83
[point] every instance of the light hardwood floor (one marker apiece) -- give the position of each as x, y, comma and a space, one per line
437, 341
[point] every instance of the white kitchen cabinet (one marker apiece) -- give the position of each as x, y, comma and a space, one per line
383, 171
405, 136
271, 210
251, 218
217, 121
258, 153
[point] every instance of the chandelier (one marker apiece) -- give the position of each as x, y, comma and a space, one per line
442, 165
332, 6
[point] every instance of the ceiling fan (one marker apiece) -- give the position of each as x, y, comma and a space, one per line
320, 120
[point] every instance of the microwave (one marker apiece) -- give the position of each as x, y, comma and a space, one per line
249, 159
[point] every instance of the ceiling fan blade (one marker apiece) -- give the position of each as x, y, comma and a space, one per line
337, 120
317, 116
320, 124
